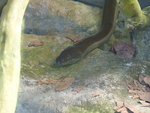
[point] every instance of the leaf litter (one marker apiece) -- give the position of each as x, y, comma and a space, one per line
60, 84
141, 90
35, 43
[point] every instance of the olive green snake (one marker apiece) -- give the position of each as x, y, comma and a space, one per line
73, 54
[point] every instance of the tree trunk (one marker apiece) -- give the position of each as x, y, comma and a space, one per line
10, 38
2, 4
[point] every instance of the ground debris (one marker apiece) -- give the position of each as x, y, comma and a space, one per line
145, 103
122, 107
74, 39
64, 83
78, 89
95, 94
141, 89
123, 49
35, 43
60, 84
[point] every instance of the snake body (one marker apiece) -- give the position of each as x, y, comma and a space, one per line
74, 53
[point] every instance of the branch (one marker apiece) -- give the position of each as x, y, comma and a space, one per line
132, 10
10, 38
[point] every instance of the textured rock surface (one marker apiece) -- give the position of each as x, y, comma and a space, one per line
100, 71
142, 41
44, 17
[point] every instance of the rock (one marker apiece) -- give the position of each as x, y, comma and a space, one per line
98, 3
141, 39
101, 71
45, 17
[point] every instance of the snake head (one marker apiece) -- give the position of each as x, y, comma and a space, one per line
68, 56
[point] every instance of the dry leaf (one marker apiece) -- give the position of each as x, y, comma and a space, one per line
147, 80
135, 96
64, 83
124, 49
119, 104
145, 103
61, 84
35, 43
95, 94
74, 39
47, 81
139, 86
141, 91
116, 108
129, 84
131, 108
125, 108
133, 91
78, 89
145, 96
141, 78
147, 89
43, 81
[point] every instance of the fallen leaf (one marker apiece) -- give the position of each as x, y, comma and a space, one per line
119, 104
74, 39
125, 108
129, 84
64, 83
139, 86
116, 108
145, 103
78, 89
141, 78
133, 91
132, 109
123, 49
95, 94
147, 89
147, 80
48, 81
145, 96
43, 81
135, 96
35, 43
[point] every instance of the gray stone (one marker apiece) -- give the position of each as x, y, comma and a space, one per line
142, 41
99, 71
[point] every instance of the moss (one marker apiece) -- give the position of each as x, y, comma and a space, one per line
103, 107
132, 10
37, 61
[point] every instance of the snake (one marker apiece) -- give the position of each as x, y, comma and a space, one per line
75, 53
